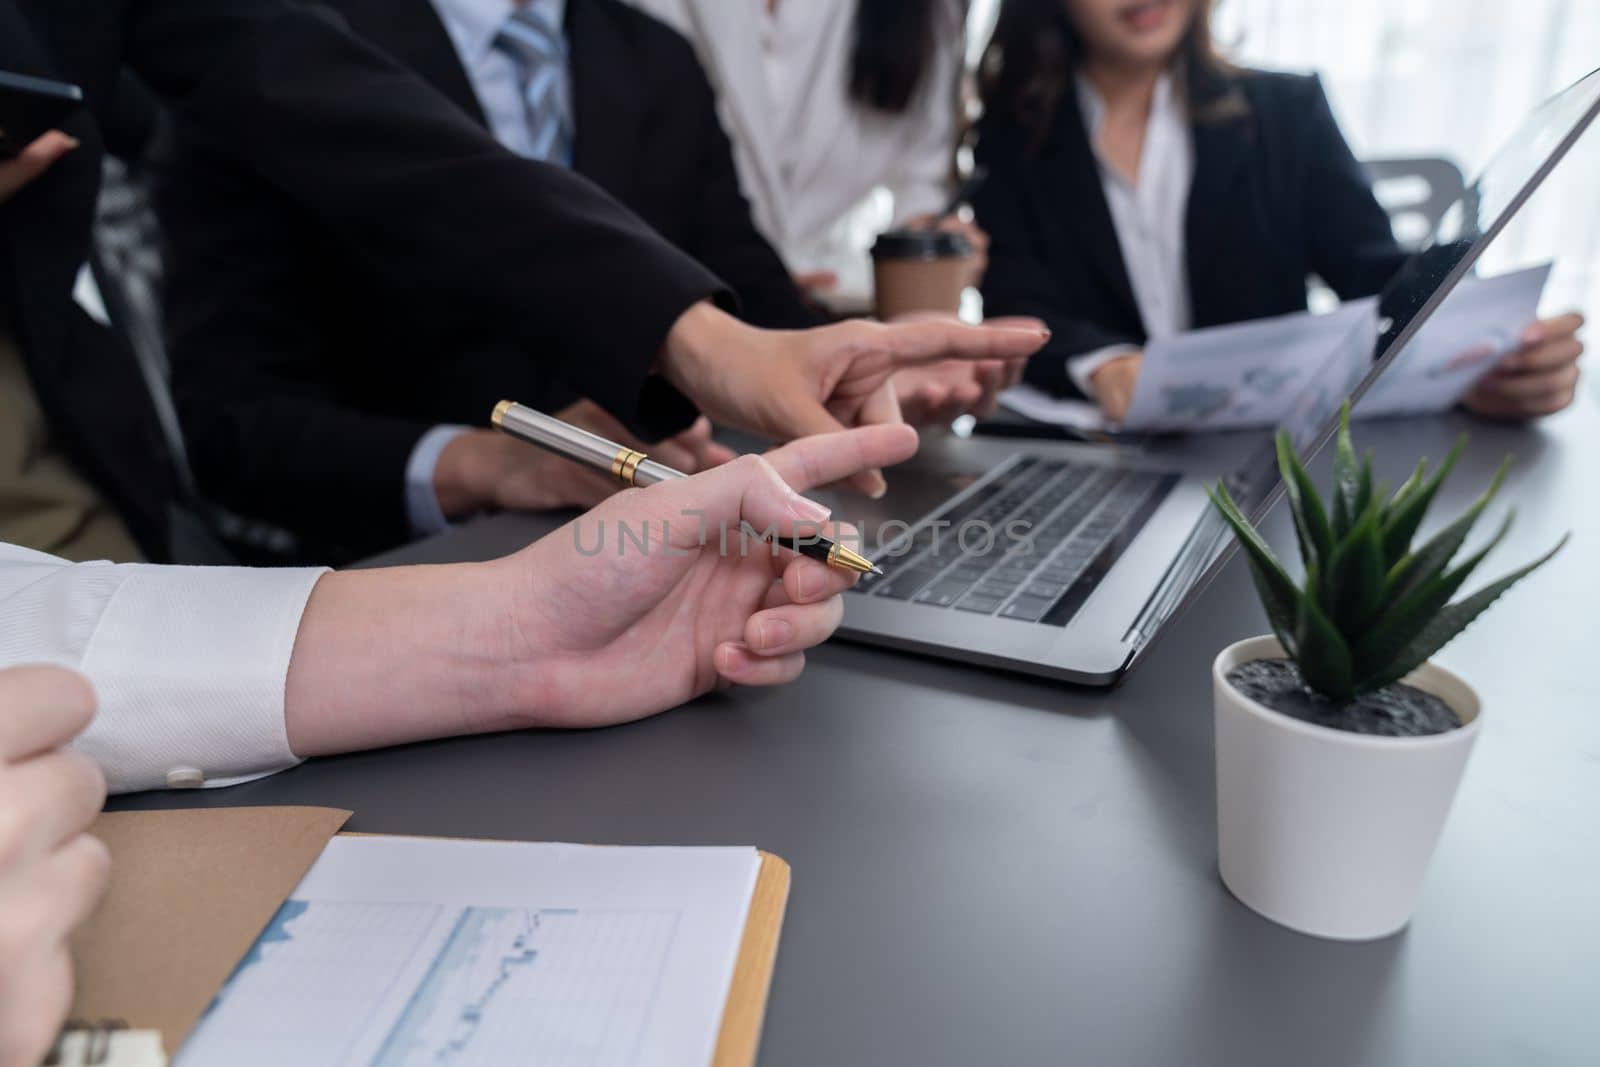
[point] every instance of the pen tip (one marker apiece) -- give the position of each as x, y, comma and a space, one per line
850, 560
855, 560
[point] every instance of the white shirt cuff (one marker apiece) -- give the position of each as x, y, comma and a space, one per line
422, 500
1081, 368
190, 665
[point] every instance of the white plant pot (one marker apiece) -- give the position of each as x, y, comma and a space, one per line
1325, 831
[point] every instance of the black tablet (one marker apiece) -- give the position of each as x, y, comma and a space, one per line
30, 107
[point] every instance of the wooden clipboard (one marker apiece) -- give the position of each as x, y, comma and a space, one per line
746, 1009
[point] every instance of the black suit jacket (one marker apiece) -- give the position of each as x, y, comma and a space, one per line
1276, 196
85, 375
305, 377
336, 128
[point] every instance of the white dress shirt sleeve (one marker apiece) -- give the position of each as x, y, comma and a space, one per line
422, 499
189, 663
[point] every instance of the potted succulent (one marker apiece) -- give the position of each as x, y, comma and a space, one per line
1339, 746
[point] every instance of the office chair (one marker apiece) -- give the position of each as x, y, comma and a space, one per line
1416, 193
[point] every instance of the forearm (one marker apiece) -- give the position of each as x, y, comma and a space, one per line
386, 657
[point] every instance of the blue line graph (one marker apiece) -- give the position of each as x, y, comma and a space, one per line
356, 984
523, 985
470, 969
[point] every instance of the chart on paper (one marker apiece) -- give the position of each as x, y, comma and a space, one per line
504, 985
344, 979
513, 985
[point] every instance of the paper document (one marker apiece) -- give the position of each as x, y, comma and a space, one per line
1480, 322
1295, 370
1247, 374
407, 951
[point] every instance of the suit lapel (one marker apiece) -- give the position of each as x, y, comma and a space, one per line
1214, 223
410, 31
608, 109
1069, 189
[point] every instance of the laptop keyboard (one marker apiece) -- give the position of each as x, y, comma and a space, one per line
1030, 544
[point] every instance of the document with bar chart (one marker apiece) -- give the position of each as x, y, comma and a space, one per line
399, 952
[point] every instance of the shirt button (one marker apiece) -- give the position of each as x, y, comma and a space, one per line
185, 778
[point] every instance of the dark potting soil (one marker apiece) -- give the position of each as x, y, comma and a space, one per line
1394, 711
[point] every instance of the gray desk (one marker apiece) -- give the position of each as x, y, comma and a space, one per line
992, 870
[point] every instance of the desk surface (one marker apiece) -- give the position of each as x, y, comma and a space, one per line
990, 869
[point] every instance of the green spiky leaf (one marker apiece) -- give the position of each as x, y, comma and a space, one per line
1371, 607
1322, 653
1447, 624
1405, 619
1279, 596
1346, 477
1431, 559
1406, 515
1407, 487
1353, 582
1310, 520
1364, 493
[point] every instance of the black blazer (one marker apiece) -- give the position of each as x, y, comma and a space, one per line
85, 376
304, 377
1277, 195
367, 150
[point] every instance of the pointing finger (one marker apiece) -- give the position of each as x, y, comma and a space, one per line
833, 457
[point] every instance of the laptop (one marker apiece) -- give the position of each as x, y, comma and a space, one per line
1066, 560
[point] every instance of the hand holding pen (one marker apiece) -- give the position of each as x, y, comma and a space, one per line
634, 468
629, 609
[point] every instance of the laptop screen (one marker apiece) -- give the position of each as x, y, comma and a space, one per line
1421, 285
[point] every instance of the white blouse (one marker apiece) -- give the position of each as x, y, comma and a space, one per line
1148, 217
812, 160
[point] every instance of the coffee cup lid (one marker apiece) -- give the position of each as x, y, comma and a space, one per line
920, 244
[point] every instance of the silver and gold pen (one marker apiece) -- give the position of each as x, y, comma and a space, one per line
632, 467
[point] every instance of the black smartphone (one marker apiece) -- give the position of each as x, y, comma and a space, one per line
30, 107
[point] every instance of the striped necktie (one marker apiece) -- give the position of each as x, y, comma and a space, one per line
539, 51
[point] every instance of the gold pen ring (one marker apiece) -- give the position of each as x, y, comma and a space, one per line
625, 464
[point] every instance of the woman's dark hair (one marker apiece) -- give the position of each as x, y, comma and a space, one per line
895, 44
1036, 49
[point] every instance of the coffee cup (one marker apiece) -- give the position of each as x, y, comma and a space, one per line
919, 270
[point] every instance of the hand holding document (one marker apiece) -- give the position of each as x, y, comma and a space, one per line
1271, 372
1479, 325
